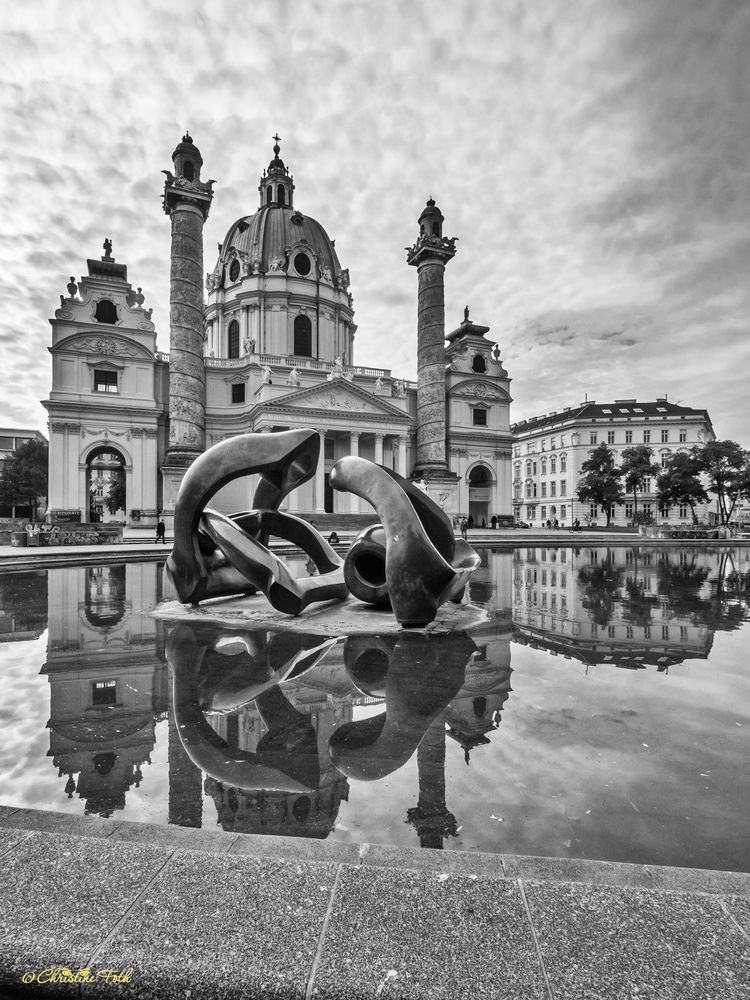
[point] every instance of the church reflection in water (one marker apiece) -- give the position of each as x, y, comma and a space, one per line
275, 726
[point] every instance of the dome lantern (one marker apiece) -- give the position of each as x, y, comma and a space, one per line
277, 184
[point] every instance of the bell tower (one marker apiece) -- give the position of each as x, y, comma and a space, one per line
186, 200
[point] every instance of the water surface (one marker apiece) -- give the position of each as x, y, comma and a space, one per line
602, 711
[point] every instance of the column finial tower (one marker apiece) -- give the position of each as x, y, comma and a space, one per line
187, 201
429, 255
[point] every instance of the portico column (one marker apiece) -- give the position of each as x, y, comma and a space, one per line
320, 476
402, 456
354, 450
379, 449
244, 332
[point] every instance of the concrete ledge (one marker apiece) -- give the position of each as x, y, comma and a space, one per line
180, 912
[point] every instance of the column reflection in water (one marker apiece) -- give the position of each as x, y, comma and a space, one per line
107, 680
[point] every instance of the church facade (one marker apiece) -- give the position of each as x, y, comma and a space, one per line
277, 351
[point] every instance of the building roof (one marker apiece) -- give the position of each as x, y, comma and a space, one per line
618, 409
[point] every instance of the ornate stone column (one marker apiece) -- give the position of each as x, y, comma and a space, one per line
379, 448
186, 201
354, 450
429, 255
320, 476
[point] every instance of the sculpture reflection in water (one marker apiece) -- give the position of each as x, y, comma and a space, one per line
411, 560
291, 778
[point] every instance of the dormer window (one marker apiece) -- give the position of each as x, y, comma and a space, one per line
479, 365
234, 270
106, 311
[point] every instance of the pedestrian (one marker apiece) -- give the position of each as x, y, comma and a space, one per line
161, 532
464, 527
549, 524
484, 523
557, 524
470, 522
493, 521
333, 538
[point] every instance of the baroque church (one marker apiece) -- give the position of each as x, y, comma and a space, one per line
271, 346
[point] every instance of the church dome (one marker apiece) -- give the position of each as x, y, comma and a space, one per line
282, 239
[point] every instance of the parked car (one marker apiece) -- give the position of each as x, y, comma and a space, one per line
522, 524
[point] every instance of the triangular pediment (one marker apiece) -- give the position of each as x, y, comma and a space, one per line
338, 396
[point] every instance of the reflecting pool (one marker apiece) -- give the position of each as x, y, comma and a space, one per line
601, 710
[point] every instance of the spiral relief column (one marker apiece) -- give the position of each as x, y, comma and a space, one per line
429, 255
186, 201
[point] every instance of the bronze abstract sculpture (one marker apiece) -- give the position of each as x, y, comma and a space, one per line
411, 559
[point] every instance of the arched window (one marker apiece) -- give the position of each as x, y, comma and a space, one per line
478, 364
528, 468
187, 171
282, 195
480, 475
435, 228
233, 339
544, 466
106, 311
269, 195
553, 465
234, 270
303, 336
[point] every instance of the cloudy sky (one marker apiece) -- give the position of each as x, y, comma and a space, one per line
592, 157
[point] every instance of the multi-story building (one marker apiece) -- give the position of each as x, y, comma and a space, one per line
549, 452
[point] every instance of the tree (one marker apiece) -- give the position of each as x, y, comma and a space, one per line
727, 467
115, 498
24, 478
636, 468
600, 482
680, 482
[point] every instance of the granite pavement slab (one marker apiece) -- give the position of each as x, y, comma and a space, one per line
409, 934
605, 943
221, 926
62, 896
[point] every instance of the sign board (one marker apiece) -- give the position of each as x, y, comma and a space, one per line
65, 516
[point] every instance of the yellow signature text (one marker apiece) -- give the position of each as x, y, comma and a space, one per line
62, 974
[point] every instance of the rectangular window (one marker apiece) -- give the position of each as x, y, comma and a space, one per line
628, 631
647, 484
562, 440
628, 510
593, 510
552, 444
683, 510
664, 435
628, 437
544, 513
663, 510
647, 437
610, 437
553, 489
479, 417
563, 488
105, 381
6, 443
544, 489
530, 512
683, 437
592, 437
563, 463
238, 392
562, 511
611, 631
516, 492
104, 692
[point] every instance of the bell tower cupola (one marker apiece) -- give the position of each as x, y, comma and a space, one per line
277, 184
187, 159
431, 220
